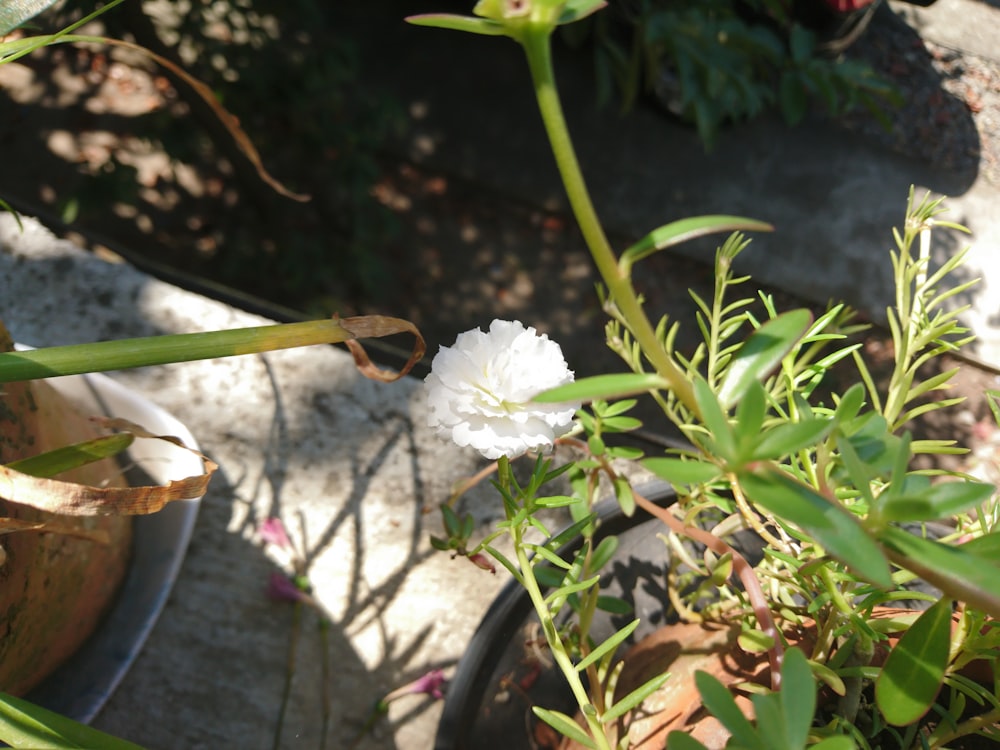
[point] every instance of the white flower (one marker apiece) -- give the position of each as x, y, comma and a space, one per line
480, 390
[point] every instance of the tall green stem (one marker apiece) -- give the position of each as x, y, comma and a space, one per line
556, 645
536, 45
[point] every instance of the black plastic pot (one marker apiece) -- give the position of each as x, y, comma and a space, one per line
481, 712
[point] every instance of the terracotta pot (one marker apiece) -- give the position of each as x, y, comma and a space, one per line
54, 588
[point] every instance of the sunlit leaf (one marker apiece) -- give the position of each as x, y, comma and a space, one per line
607, 646
25, 725
564, 725
634, 698
959, 571
941, 500
574, 10
790, 437
715, 420
761, 353
720, 703
54, 462
455, 22
602, 387
684, 230
678, 471
912, 676
829, 523
798, 697
603, 552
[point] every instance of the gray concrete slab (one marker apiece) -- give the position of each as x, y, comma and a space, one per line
347, 463
833, 197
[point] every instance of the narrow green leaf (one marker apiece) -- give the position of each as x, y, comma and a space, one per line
608, 646
677, 471
634, 698
912, 676
458, 23
604, 552
829, 523
574, 10
555, 501
550, 556
715, 420
790, 437
100, 356
684, 230
25, 725
959, 571
564, 725
602, 387
938, 501
68, 457
572, 588
614, 605
761, 353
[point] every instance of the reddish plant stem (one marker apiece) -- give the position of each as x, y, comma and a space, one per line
742, 568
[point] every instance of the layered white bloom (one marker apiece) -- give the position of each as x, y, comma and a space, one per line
480, 390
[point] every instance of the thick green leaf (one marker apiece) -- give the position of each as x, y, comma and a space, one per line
458, 23
608, 646
912, 676
678, 471
614, 605
790, 437
750, 414
761, 353
564, 725
720, 703
842, 742
683, 741
52, 463
602, 387
961, 572
624, 496
25, 725
683, 230
798, 697
829, 523
715, 420
938, 501
987, 547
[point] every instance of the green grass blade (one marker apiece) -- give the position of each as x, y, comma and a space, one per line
69, 457
25, 725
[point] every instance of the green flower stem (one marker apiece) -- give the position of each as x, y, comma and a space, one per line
556, 645
101, 356
535, 41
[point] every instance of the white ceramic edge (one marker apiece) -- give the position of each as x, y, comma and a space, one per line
81, 687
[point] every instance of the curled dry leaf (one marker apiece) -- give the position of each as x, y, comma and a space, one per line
377, 326
72, 499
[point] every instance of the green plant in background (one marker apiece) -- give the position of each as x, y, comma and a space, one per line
711, 62
824, 482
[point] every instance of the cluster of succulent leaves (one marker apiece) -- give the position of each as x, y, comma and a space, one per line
716, 61
828, 485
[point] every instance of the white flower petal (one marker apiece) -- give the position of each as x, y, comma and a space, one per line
480, 390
